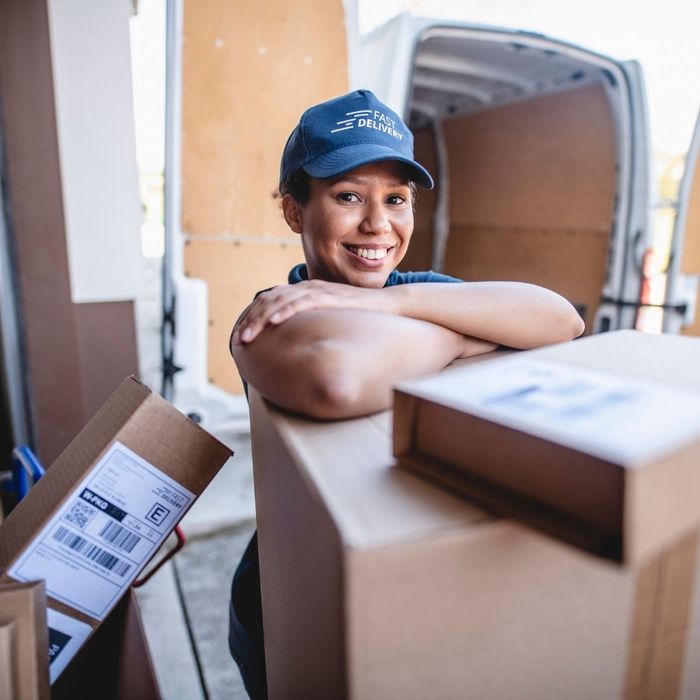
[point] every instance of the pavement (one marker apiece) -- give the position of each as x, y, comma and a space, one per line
184, 606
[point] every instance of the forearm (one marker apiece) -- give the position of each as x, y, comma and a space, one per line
515, 314
343, 362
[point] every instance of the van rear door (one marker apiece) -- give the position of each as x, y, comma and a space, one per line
517, 199
682, 284
622, 292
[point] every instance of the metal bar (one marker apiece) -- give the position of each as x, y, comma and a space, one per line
171, 182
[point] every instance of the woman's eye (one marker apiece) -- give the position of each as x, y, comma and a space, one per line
348, 197
396, 199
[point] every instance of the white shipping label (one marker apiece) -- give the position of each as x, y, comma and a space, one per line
104, 533
596, 412
66, 636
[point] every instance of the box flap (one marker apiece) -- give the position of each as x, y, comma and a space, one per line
84, 449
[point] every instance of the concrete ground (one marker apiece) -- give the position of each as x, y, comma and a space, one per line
185, 605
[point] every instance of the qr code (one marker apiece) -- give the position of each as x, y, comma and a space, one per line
80, 514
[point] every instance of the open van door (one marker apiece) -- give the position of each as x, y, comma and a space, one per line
682, 284
540, 152
622, 294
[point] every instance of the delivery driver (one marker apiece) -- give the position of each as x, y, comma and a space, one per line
332, 342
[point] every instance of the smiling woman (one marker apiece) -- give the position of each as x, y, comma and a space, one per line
332, 342
355, 227
347, 190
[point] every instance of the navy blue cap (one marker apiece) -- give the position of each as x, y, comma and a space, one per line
344, 133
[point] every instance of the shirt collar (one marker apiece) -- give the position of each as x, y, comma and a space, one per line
299, 273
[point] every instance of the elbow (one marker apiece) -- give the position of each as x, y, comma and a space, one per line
568, 326
578, 326
562, 325
334, 390
333, 397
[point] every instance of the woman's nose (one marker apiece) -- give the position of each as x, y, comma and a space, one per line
376, 220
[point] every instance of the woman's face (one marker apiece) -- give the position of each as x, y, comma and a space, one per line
356, 227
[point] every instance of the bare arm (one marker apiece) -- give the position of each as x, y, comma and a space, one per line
343, 362
515, 314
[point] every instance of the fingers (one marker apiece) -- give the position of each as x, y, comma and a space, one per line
279, 304
271, 308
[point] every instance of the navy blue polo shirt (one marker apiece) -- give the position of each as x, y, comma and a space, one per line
299, 274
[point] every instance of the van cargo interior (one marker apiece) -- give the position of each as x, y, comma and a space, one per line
526, 144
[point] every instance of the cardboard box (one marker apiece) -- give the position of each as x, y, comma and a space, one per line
23, 605
7, 634
104, 508
595, 441
378, 584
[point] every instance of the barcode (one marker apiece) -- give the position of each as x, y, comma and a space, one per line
119, 536
91, 551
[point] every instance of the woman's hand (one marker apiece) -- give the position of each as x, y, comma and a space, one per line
279, 304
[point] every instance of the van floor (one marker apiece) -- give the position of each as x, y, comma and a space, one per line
184, 606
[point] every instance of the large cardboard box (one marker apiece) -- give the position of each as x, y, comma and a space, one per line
23, 610
595, 441
378, 584
104, 508
7, 640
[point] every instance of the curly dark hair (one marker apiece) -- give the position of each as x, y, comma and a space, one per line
298, 186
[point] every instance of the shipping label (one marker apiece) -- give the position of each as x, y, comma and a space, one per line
611, 416
105, 532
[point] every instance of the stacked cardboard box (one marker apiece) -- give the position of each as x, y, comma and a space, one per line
24, 666
378, 584
104, 508
596, 441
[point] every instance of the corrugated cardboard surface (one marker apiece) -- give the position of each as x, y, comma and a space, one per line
622, 510
142, 421
146, 424
315, 540
25, 604
416, 593
7, 634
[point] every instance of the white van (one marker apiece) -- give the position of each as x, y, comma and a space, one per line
541, 152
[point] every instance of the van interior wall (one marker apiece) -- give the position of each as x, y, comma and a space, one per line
249, 71
532, 188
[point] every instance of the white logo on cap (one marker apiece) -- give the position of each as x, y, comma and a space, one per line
369, 119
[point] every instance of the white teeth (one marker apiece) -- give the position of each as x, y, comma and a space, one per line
370, 253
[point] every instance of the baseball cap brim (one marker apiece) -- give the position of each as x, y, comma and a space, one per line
342, 160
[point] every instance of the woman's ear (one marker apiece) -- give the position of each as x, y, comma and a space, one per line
293, 213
